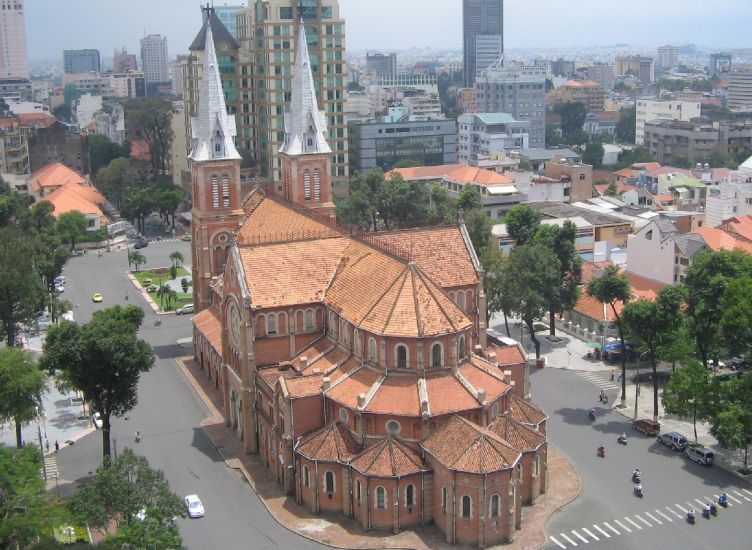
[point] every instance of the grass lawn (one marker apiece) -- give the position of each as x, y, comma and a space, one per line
150, 279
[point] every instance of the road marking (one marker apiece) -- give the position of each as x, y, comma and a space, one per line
657, 511
566, 538
682, 508
747, 491
674, 511
727, 502
646, 522
639, 527
692, 505
732, 497
614, 530
743, 496
590, 533
602, 531
655, 519
620, 524
560, 545
576, 534
702, 504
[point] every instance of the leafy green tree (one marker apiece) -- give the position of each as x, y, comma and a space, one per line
149, 533
14, 208
573, 115
136, 258
102, 152
679, 346
625, 127
687, 393
593, 154
469, 199
478, 225
612, 190
408, 163
173, 272
184, 285
607, 137
162, 292
103, 359
441, 208
731, 423
138, 203
168, 201
21, 387
152, 120
71, 226
736, 316
652, 322
636, 156
524, 164
528, 273
115, 179
522, 223
721, 159
681, 162
21, 292
408, 201
611, 288
707, 280
176, 258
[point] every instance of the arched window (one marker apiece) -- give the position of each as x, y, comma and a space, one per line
520, 470
410, 495
316, 185
380, 497
495, 505
225, 191
309, 320
443, 500
462, 347
307, 185
372, 354
282, 323
536, 465
306, 480
436, 355
358, 491
215, 191
271, 324
329, 482
401, 356
467, 506
461, 299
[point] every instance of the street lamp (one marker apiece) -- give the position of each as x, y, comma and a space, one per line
637, 379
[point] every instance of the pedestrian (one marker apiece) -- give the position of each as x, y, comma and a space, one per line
619, 378
57, 446
47, 444
612, 376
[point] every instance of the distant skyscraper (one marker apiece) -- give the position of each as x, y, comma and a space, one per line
81, 61
562, 67
383, 65
636, 65
719, 63
122, 62
13, 61
226, 14
740, 90
482, 36
154, 59
667, 58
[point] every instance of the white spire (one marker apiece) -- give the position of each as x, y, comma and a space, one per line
213, 129
305, 125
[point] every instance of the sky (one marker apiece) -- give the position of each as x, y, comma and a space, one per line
55, 25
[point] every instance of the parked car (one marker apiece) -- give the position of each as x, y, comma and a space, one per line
141, 243
187, 237
60, 280
188, 308
701, 455
739, 362
96, 418
194, 506
648, 427
674, 440
97, 297
59, 288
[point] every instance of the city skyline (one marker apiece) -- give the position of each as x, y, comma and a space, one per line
120, 23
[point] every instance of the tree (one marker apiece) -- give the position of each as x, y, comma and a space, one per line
168, 201
522, 223
162, 293
103, 359
469, 199
681, 162
573, 115
635, 156
136, 258
625, 128
720, 159
441, 207
115, 179
530, 270
21, 387
736, 319
173, 272
71, 226
176, 258
652, 322
408, 163
478, 226
612, 190
152, 121
184, 285
407, 201
612, 288
138, 203
21, 291
687, 393
593, 154
102, 152
731, 423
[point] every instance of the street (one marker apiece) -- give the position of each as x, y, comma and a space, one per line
169, 415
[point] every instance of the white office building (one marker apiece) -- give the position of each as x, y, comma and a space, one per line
480, 134
154, 58
663, 109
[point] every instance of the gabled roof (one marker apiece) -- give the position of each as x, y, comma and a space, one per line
388, 458
55, 174
621, 187
208, 324
518, 435
458, 173
76, 197
219, 31
466, 447
332, 443
524, 412
740, 225
718, 239
690, 243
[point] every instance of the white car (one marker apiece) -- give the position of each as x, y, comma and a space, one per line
188, 308
97, 420
194, 506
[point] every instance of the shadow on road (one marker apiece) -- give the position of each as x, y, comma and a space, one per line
580, 416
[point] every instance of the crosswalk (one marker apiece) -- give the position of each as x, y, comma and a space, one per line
649, 518
50, 466
601, 380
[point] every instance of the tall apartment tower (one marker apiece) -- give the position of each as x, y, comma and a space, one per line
13, 61
267, 32
215, 178
81, 61
667, 58
740, 90
123, 62
482, 36
382, 64
154, 58
719, 63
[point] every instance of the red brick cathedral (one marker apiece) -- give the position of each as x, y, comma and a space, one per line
355, 366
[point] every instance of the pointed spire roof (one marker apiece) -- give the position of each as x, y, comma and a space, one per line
220, 32
213, 129
305, 125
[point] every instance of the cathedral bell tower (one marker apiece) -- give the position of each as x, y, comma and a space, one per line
305, 155
215, 174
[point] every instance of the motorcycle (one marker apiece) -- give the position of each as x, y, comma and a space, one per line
723, 501
138, 436
622, 439
706, 513
636, 478
158, 323
592, 415
691, 517
713, 509
601, 452
638, 491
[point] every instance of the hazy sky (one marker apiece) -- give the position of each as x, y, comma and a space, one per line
55, 25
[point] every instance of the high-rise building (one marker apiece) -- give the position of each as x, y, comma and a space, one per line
382, 65
122, 62
267, 32
13, 61
519, 91
719, 63
603, 74
667, 58
226, 13
636, 65
482, 33
81, 61
740, 90
562, 67
154, 58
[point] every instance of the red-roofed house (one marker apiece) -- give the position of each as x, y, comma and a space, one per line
75, 197
52, 176
739, 225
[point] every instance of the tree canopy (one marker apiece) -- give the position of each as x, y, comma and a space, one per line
593, 154
152, 121
627, 124
522, 223
573, 115
102, 151
22, 385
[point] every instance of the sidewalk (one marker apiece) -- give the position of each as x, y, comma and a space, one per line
334, 530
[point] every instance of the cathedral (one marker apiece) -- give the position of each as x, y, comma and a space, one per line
354, 364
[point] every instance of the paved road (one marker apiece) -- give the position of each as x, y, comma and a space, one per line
168, 414
606, 514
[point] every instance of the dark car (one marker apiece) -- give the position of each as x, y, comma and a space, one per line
673, 440
648, 427
142, 243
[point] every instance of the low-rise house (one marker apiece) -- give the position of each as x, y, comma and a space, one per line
584, 240
611, 228
51, 177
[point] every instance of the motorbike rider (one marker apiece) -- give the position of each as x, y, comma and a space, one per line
713, 508
138, 436
706, 511
723, 499
638, 489
602, 450
592, 413
623, 438
691, 514
636, 474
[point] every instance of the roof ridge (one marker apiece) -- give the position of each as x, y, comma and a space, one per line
390, 448
427, 282
418, 317
378, 300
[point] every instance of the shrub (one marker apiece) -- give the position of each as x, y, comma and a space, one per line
173, 272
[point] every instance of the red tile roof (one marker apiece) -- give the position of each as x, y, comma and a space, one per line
447, 395
621, 187
464, 446
459, 173
741, 225
718, 239
388, 458
207, 323
54, 174
332, 443
396, 395
642, 287
75, 197
524, 411
519, 436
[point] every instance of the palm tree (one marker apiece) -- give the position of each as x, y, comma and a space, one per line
163, 294
177, 259
137, 259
